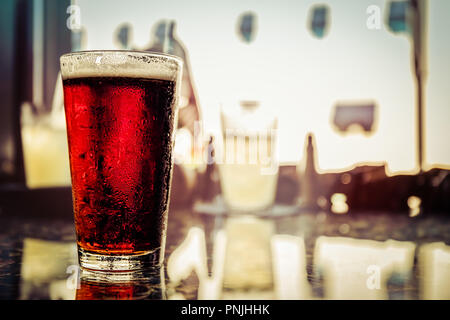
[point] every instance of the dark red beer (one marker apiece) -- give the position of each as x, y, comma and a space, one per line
120, 134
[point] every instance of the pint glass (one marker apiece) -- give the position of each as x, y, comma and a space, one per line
120, 111
249, 168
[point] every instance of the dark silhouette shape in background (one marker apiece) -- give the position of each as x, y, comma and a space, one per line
247, 26
165, 40
361, 114
123, 36
319, 21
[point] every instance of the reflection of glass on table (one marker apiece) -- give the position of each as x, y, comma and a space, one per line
44, 269
121, 286
434, 266
248, 263
360, 268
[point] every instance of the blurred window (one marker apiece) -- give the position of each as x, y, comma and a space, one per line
301, 75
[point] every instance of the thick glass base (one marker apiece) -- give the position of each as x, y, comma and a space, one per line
119, 263
122, 285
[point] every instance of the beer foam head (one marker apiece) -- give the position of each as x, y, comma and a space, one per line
130, 64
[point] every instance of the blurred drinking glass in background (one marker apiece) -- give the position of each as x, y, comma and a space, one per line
44, 142
248, 167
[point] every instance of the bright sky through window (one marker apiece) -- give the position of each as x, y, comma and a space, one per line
299, 75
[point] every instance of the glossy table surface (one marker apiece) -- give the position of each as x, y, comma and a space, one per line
299, 255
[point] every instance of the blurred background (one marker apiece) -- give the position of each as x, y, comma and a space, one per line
358, 93
366, 80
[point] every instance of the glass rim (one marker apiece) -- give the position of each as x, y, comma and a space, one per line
136, 52
121, 63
